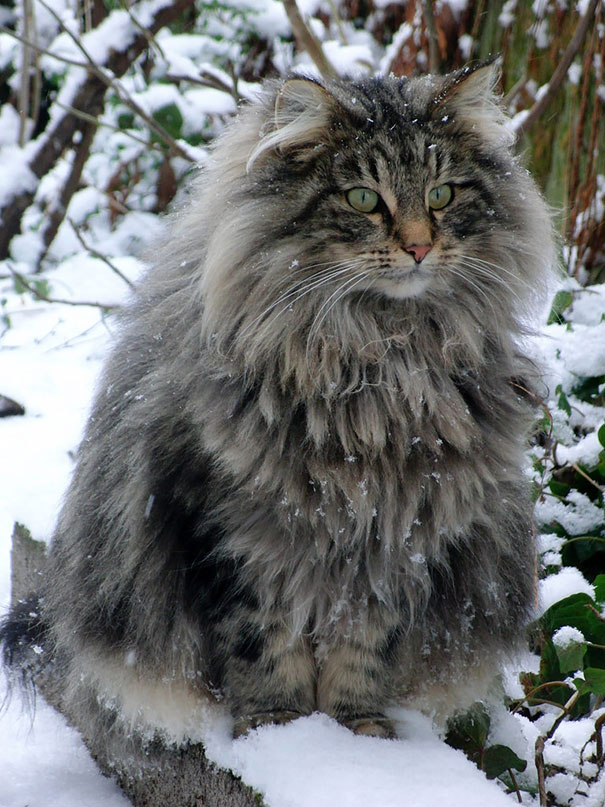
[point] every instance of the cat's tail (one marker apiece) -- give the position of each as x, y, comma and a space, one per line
23, 647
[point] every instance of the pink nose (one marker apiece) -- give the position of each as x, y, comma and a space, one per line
419, 251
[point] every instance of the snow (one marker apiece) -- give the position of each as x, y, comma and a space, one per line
555, 587
315, 761
567, 636
17, 177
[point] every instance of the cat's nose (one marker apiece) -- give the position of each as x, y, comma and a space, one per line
418, 251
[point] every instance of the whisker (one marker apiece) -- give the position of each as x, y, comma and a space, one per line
490, 275
474, 285
497, 266
301, 292
333, 269
343, 289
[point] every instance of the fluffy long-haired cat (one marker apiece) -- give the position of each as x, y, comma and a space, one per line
302, 483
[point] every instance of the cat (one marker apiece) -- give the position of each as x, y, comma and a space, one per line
302, 485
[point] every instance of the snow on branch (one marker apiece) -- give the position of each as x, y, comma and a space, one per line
112, 47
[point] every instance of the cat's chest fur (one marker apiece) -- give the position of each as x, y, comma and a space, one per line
370, 464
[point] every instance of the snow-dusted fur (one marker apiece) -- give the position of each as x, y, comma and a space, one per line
301, 486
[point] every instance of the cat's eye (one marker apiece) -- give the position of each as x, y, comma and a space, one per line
440, 197
364, 200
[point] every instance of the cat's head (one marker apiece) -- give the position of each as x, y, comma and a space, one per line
382, 188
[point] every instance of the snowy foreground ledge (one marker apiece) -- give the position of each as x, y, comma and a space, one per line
312, 762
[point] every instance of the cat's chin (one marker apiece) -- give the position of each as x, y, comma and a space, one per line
401, 288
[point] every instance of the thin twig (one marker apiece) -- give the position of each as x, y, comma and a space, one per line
599, 724
587, 478
533, 691
78, 113
24, 83
338, 20
541, 742
147, 34
515, 785
539, 760
560, 72
47, 299
308, 41
99, 255
59, 57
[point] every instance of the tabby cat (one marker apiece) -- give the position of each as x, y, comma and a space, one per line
302, 485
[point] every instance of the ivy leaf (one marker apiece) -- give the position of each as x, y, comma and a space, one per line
595, 679
468, 732
592, 683
500, 758
571, 657
576, 611
170, 118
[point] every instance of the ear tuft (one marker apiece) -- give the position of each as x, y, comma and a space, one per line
471, 94
302, 113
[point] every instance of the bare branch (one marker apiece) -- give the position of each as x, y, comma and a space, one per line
96, 122
308, 41
560, 72
39, 295
57, 213
99, 255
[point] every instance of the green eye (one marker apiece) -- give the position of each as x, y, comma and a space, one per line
363, 199
440, 197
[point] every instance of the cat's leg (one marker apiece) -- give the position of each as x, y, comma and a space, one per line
353, 683
268, 676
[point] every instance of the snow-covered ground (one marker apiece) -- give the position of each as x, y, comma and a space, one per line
48, 362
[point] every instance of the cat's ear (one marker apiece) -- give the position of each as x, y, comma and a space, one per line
470, 93
302, 114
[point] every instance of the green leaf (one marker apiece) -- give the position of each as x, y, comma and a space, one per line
562, 300
599, 588
571, 657
170, 118
559, 488
500, 758
601, 435
468, 732
593, 681
563, 404
575, 610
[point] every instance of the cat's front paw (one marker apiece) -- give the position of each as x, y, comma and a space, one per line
246, 723
372, 726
